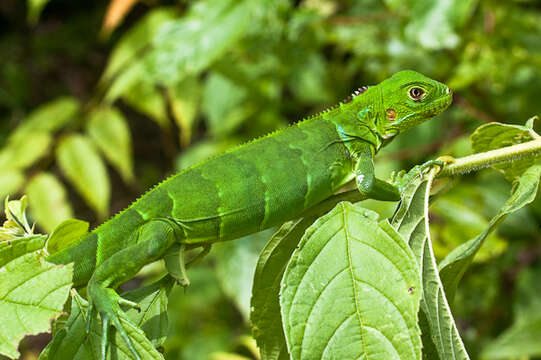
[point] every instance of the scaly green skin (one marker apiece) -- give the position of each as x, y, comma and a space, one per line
255, 186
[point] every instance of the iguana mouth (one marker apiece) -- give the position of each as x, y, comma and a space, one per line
438, 105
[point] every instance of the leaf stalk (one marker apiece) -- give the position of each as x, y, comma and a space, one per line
486, 159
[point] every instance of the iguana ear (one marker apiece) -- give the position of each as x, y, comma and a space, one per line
391, 115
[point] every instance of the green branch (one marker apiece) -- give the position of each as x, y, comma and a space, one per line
486, 159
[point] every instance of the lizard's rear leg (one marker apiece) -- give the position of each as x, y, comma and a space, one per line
150, 243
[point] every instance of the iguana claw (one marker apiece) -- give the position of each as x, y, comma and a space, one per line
401, 179
106, 320
107, 302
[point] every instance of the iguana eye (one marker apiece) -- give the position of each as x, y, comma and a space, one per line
416, 93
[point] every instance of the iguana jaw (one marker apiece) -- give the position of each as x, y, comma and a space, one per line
438, 105
429, 110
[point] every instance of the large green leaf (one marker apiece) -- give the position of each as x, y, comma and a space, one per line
351, 290
48, 201
110, 132
84, 168
441, 339
32, 293
455, 264
265, 304
12, 249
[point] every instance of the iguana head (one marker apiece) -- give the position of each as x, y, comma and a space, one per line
410, 98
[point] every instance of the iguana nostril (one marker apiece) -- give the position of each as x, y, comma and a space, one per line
447, 91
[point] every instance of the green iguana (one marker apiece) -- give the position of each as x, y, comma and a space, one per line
254, 186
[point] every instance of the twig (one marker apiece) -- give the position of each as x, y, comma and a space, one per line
486, 159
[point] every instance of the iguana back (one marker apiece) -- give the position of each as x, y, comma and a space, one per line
269, 180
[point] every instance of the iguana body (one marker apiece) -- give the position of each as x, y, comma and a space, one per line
255, 186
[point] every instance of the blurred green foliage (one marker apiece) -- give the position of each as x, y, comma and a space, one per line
87, 123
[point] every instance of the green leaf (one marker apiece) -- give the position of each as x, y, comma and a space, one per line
452, 268
190, 44
225, 112
32, 293
10, 182
130, 47
441, 339
65, 234
48, 118
110, 132
72, 342
496, 135
184, 98
351, 290
12, 249
265, 304
48, 201
235, 266
31, 140
34, 10
16, 224
125, 72
308, 80
21, 152
84, 168
461, 215
146, 98
435, 23
521, 340
152, 318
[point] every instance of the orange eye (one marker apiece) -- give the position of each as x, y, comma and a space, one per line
416, 93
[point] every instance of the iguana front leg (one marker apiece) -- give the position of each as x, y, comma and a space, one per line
151, 242
366, 180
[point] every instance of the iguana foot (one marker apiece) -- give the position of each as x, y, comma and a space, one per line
401, 179
107, 303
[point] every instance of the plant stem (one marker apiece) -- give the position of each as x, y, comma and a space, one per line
490, 158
